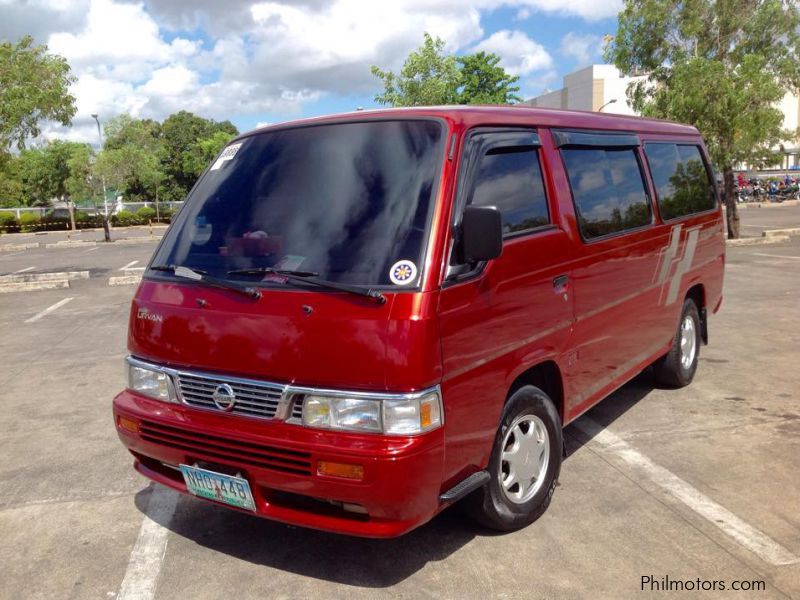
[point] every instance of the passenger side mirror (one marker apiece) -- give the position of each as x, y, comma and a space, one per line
481, 234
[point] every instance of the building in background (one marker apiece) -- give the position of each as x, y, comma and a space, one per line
602, 88
593, 88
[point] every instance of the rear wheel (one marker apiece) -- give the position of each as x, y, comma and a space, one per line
678, 366
525, 463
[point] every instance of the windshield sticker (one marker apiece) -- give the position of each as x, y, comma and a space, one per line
403, 272
290, 262
226, 155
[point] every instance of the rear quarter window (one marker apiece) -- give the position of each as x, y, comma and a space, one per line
682, 182
608, 189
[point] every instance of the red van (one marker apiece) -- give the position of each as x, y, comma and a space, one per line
356, 321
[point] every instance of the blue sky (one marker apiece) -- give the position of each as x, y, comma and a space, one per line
266, 62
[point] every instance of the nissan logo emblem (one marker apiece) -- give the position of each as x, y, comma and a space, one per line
224, 398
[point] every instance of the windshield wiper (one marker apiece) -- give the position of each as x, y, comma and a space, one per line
271, 271
202, 276
311, 277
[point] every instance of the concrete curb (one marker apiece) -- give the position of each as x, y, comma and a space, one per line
125, 280
137, 240
779, 232
30, 286
17, 247
746, 205
754, 241
41, 277
71, 244
78, 243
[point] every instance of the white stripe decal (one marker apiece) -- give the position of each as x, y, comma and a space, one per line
684, 265
669, 253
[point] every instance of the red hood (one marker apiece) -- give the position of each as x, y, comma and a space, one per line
343, 341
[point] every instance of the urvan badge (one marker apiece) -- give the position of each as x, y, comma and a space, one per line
145, 315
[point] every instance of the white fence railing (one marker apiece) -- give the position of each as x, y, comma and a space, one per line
92, 210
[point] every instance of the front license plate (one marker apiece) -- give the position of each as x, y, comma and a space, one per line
216, 486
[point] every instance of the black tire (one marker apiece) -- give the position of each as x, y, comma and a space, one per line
669, 370
489, 505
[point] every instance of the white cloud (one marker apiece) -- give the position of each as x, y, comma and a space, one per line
271, 56
332, 49
119, 34
519, 54
584, 48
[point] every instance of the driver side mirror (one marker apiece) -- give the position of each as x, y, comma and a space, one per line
481, 234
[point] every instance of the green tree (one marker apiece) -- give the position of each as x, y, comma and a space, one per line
428, 77
431, 77
719, 65
483, 81
132, 157
203, 151
82, 182
34, 86
10, 185
182, 133
44, 174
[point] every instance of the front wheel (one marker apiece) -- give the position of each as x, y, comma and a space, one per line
525, 463
678, 366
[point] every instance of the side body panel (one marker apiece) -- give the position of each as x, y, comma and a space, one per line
492, 325
629, 291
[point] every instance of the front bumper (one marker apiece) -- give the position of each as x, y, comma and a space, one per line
402, 475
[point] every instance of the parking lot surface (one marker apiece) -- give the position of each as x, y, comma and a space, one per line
698, 483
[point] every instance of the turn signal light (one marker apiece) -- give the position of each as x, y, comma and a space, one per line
128, 424
344, 470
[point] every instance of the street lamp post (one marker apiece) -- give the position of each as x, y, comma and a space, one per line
106, 229
100, 137
612, 101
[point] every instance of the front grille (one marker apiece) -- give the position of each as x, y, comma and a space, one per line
253, 398
297, 408
203, 445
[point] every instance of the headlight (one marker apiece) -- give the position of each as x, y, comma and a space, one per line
150, 382
400, 416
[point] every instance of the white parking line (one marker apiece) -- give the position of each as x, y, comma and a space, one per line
129, 265
147, 555
25, 270
91, 250
48, 310
776, 255
745, 534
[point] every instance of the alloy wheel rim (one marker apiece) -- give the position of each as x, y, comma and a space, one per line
688, 342
524, 458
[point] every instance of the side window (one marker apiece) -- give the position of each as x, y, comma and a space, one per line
608, 189
510, 179
683, 186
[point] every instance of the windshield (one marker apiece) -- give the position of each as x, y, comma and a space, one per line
350, 202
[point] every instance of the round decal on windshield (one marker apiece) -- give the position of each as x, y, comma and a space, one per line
403, 272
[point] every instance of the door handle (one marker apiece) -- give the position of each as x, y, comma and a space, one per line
561, 281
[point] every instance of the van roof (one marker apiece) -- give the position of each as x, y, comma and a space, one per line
473, 115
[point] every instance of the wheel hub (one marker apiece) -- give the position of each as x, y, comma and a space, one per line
688, 342
524, 459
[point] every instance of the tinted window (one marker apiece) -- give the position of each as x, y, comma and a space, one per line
346, 201
511, 180
681, 179
608, 189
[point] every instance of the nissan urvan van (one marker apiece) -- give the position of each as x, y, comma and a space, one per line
356, 321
